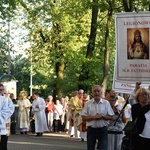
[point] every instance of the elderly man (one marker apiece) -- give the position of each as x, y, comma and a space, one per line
97, 112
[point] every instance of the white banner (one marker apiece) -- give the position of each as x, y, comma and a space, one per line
132, 61
124, 87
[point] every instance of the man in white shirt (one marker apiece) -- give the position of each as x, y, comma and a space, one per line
97, 112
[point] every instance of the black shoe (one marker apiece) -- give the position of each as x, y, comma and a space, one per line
38, 134
13, 132
71, 135
41, 134
25, 133
82, 140
21, 132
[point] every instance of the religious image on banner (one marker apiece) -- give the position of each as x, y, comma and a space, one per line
137, 43
132, 60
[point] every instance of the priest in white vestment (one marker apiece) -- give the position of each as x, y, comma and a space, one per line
23, 113
38, 108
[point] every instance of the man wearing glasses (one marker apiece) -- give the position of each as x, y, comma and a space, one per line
5, 113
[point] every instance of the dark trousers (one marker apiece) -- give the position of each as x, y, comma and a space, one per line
14, 120
3, 143
13, 128
57, 125
32, 126
99, 134
142, 143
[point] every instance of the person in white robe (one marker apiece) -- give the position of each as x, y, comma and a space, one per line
23, 113
5, 114
11, 110
38, 109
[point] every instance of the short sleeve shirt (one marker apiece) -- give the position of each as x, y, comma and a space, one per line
91, 108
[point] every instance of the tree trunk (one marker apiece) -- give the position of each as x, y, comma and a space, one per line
128, 5
60, 65
90, 47
107, 50
59, 73
91, 44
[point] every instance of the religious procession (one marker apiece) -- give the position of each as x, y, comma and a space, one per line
102, 120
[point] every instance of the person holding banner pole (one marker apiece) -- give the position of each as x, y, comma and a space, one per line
132, 100
141, 113
115, 127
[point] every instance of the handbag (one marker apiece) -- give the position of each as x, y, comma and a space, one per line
129, 131
126, 143
130, 128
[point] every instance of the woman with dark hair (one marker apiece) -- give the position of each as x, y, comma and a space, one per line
115, 127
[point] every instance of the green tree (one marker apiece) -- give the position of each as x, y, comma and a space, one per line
6, 13
20, 68
71, 42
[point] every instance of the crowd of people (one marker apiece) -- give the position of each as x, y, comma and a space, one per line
98, 119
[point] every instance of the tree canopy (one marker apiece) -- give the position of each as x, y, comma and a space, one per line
72, 43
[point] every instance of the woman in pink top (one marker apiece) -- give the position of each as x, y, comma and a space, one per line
49, 112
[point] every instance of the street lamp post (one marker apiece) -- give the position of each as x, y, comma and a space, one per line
9, 59
31, 71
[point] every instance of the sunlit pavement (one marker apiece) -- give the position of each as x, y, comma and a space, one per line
49, 141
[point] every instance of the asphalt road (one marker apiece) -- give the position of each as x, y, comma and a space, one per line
49, 141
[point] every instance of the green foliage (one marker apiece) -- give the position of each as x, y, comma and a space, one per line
4, 62
3, 53
7, 8
20, 69
58, 33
